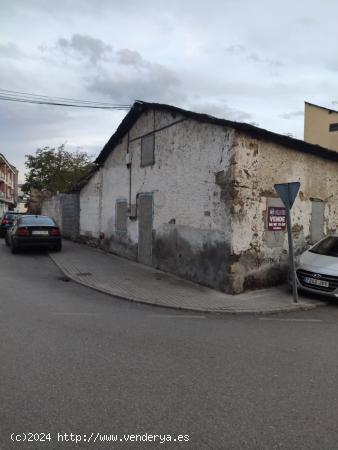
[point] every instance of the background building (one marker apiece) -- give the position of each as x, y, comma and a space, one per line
22, 201
321, 126
8, 185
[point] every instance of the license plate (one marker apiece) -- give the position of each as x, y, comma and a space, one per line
40, 232
316, 282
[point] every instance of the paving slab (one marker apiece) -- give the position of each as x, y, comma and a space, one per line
129, 280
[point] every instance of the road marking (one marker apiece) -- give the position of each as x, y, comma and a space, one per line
177, 316
290, 320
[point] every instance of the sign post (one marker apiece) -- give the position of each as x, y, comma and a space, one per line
287, 193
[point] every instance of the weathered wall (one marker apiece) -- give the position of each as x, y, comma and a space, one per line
52, 207
191, 213
70, 215
259, 256
211, 188
90, 200
64, 209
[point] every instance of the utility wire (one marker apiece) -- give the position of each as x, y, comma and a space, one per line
38, 96
50, 98
63, 104
24, 97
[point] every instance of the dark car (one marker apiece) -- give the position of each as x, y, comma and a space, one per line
34, 231
7, 221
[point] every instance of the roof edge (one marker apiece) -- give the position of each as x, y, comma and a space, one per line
321, 107
139, 107
13, 168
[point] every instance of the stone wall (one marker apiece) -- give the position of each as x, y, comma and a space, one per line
260, 257
65, 210
70, 216
52, 207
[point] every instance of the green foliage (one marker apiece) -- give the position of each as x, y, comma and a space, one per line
56, 170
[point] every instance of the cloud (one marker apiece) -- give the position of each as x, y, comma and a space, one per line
81, 44
236, 49
10, 50
130, 58
258, 59
222, 110
184, 53
306, 20
292, 114
241, 50
135, 77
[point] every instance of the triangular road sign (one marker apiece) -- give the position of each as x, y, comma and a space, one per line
288, 192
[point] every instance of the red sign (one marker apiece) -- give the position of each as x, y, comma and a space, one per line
276, 219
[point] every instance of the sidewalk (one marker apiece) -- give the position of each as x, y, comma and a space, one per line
135, 282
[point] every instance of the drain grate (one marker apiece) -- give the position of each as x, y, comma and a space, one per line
65, 279
84, 274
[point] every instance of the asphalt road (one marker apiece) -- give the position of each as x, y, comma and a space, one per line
76, 361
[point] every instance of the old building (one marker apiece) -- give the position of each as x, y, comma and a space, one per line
321, 126
35, 200
22, 201
190, 194
8, 185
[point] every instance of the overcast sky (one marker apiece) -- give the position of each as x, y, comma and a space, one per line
251, 61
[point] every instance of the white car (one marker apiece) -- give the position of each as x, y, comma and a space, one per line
317, 267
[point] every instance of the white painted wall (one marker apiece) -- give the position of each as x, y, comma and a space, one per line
90, 207
187, 155
182, 180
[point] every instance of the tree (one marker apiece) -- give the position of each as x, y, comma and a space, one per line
55, 170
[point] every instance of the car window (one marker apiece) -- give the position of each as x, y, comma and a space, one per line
10, 216
37, 221
328, 247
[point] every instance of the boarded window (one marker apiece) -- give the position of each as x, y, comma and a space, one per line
317, 221
333, 127
147, 150
121, 216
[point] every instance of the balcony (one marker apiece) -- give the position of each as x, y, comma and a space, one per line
2, 177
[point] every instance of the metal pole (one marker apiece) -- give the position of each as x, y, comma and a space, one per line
291, 256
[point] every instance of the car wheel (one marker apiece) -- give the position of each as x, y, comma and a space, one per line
58, 247
14, 248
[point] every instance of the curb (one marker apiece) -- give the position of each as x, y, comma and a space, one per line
291, 308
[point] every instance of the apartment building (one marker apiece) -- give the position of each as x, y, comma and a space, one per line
321, 126
8, 185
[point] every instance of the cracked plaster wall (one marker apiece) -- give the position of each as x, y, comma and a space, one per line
191, 223
258, 166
